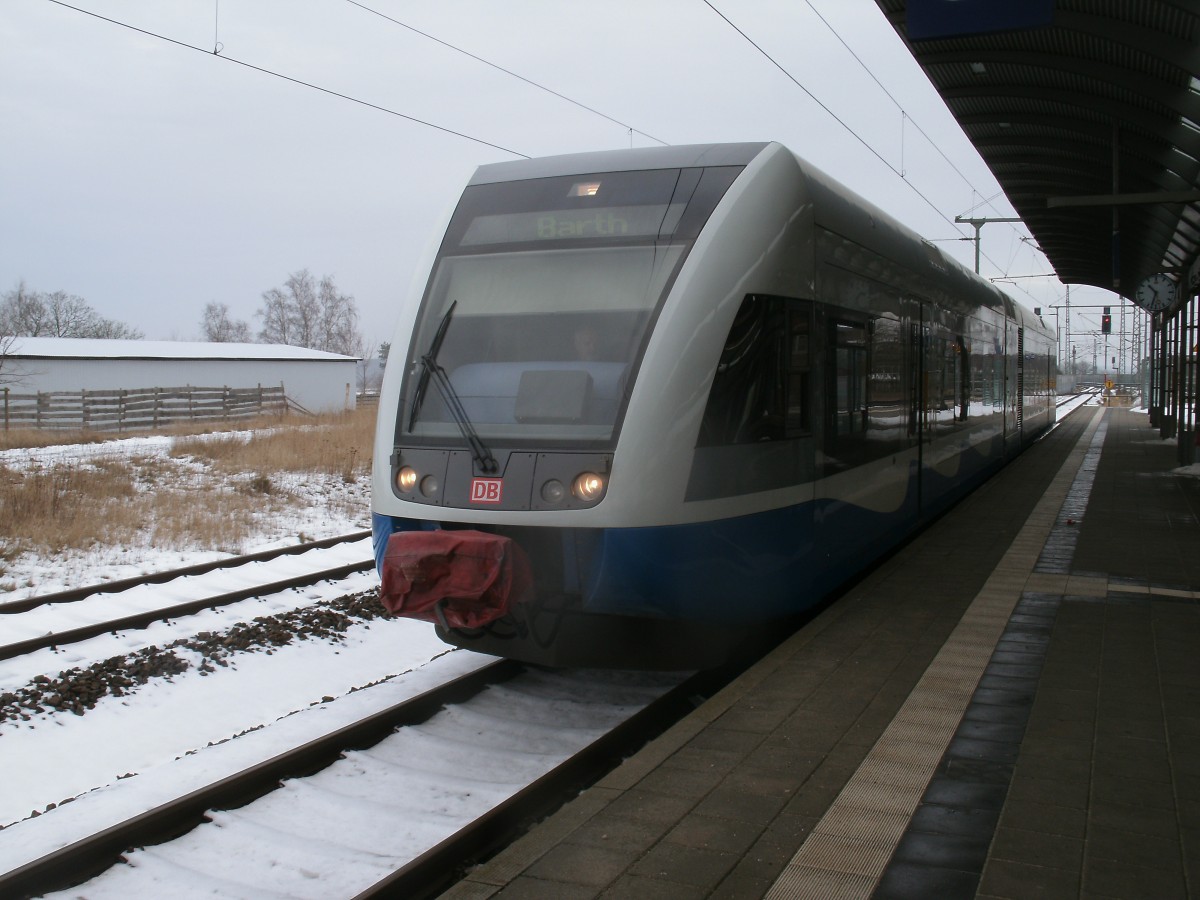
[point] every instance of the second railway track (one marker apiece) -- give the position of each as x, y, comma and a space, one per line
108, 587
44, 622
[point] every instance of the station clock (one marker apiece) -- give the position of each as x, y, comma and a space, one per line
1156, 293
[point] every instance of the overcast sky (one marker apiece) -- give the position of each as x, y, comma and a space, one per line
151, 179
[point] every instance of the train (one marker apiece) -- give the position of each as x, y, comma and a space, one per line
650, 405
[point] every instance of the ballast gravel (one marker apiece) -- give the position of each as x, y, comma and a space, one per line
78, 690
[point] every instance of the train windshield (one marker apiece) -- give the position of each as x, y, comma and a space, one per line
541, 303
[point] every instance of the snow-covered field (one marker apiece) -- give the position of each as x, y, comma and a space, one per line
129, 752
325, 506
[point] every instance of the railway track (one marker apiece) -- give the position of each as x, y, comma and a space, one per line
38, 623
1064, 400
399, 801
107, 587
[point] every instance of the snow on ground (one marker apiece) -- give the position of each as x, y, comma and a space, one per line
327, 506
152, 736
335, 833
106, 606
132, 752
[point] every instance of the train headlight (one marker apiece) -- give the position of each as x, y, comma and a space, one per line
430, 486
588, 487
553, 492
406, 479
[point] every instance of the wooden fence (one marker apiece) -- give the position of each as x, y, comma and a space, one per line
128, 410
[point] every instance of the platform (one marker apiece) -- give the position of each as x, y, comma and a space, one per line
1009, 707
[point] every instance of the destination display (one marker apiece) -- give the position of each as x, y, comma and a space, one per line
602, 222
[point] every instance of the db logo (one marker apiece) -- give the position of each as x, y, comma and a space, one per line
486, 490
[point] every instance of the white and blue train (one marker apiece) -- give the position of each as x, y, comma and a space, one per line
649, 402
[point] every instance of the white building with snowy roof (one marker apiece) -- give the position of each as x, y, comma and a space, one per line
311, 379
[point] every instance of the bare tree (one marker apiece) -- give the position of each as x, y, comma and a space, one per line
276, 316
339, 320
23, 312
305, 313
370, 372
29, 313
306, 309
112, 330
219, 328
8, 345
69, 316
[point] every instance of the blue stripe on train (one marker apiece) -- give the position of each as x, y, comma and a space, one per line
741, 570
762, 566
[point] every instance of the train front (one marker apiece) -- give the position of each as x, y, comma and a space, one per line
497, 471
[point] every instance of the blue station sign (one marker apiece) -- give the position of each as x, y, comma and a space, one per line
929, 19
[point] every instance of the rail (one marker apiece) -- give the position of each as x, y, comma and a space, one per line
147, 617
81, 860
431, 871
231, 562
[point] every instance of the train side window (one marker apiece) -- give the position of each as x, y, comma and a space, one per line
866, 411
799, 363
760, 391
946, 379
963, 388
850, 345
886, 409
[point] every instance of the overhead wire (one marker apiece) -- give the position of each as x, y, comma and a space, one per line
987, 201
217, 51
851, 131
829, 111
316, 87
908, 117
509, 72
892, 97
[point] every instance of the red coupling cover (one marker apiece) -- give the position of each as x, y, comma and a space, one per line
478, 576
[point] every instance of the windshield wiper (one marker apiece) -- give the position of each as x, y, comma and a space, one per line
483, 456
423, 380
431, 367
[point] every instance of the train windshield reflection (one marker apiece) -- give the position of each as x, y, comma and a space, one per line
542, 343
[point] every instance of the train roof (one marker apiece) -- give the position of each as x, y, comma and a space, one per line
682, 157
903, 241
844, 211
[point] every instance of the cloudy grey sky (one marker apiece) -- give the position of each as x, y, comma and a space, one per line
151, 178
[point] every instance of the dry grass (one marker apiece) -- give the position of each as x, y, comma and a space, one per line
70, 507
32, 437
209, 493
18, 438
329, 445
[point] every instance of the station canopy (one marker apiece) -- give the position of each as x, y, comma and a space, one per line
1087, 113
